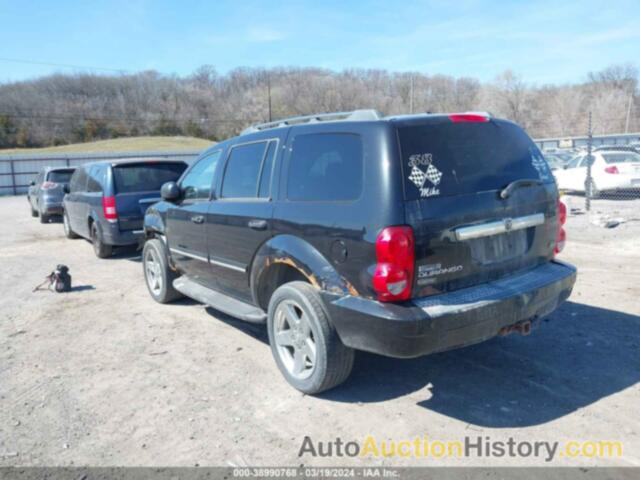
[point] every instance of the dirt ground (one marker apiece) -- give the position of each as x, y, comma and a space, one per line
105, 376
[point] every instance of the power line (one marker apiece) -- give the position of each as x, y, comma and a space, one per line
62, 65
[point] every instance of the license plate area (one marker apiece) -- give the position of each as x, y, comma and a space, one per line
498, 248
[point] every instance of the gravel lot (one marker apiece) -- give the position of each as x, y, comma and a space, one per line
105, 376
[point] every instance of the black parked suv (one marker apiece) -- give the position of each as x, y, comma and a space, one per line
106, 201
47, 190
399, 235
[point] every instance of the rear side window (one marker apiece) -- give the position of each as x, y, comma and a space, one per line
447, 158
325, 167
243, 170
78, 182
621, 157
141, 177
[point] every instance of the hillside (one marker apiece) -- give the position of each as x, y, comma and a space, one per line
129, 144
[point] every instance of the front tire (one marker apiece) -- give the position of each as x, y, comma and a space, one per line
34, 212
101, 249
303, 342
157, 274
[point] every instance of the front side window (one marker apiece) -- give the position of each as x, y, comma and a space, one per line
574, 162
325, 166
242, 171
197, 183
586, 160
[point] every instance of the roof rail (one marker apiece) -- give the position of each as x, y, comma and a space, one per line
355, 115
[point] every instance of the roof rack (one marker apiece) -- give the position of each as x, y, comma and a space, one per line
355, 115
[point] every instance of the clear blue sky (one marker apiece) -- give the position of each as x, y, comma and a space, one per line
545, 41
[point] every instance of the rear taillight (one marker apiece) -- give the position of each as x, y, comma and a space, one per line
612, 169
109, 208
393, 277
49, 185
561, 235
468, 117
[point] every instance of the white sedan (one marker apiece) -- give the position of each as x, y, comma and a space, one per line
611, 171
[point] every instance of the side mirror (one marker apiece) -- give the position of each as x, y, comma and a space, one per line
65, 188
170, 191
32, 183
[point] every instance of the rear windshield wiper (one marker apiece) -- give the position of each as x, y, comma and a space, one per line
523, 182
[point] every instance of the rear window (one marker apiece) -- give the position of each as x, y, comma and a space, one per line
59, 176
446, 158
141, 177
621, 157
325, 167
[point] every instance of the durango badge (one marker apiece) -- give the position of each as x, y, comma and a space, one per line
419, 175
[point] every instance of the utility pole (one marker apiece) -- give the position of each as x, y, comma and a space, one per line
626, 125
411, 95
269, 93
589, 183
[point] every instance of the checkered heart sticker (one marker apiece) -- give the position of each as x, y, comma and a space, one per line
433, 174
418, 177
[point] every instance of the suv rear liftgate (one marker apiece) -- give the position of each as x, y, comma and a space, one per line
486, 222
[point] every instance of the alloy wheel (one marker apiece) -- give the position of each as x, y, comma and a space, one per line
294, 338
153, 270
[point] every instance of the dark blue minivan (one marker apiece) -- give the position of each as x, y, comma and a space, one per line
105, 201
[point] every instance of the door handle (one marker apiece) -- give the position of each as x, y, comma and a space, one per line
197, 219
258, 224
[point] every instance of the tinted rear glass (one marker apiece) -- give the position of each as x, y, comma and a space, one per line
60, 176
621, 157
145, 177
325, 167
446, 158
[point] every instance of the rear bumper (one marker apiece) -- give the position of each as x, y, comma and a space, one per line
51, 206
112, 235
451, 320
52, 209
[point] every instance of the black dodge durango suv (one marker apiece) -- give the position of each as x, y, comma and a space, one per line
401, 235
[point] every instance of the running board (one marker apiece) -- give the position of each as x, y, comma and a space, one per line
219, 301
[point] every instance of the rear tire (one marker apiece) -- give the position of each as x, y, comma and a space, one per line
101, 249
304, 344
44, 218
68, 232
157, 274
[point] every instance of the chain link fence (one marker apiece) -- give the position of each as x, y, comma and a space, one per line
17, 171
599, 175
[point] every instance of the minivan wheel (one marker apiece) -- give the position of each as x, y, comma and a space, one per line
34, 212
68, 232
101, 249
305, 345
157, 274
43, 218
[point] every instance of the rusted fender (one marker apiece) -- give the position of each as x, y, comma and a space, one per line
301, 255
